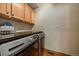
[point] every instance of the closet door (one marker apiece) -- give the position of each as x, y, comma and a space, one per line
63, 25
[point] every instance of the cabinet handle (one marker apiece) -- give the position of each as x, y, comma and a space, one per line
7, 12
15, 47
12, 14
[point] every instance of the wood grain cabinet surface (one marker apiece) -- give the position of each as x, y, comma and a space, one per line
33, 16
8, 10
27, 13
18, 11
5, 9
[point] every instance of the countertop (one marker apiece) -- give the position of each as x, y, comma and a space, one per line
16, 36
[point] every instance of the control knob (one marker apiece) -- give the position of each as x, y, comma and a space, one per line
35, 36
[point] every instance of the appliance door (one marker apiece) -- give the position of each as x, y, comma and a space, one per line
13, 47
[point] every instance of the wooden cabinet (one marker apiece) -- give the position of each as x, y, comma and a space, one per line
27, 13
33, 16
8, 10
18, 11
3, 8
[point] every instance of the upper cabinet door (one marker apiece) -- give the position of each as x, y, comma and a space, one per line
3, 8
33, 16
8, 10
18, 11
27, 13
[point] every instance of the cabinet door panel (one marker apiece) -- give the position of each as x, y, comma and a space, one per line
32, 16
8, 10
27, 13
3, 8
18, 11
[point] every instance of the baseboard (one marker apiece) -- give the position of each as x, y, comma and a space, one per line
55, 53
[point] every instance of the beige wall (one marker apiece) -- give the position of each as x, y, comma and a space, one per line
60, 24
